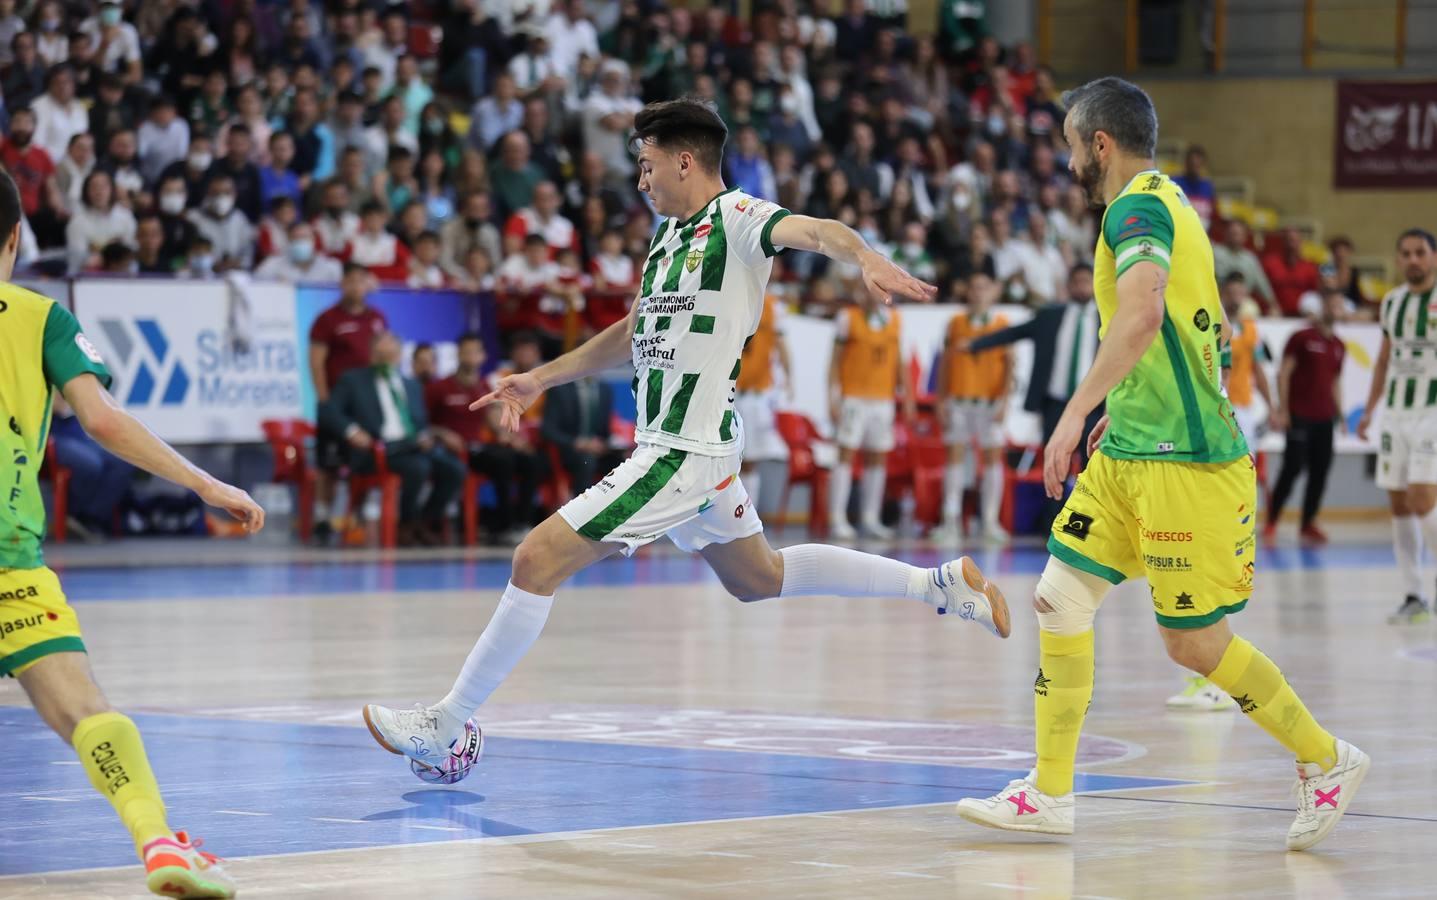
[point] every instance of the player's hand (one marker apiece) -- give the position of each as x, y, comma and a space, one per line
1096, 435
1058, 455
361, 439
1363, 424
235, 502
1280, 420
884, 278
514, 394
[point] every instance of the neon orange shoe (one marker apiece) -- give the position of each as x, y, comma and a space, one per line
176, 867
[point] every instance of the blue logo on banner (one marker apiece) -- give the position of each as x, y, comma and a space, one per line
151, 365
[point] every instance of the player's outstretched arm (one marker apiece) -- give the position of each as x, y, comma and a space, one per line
128, 438
516, 393
837, 241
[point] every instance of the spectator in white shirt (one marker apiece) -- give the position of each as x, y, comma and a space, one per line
608, 118
383, 54
530, 271
424, 268
53, 42
301, 260
613, 270
228, 230
389, 131
1044, 270
116, 41
335, 225
541, 218
375, 248
99, 220
59, 115
74, 166
496, 115
536, 70
572, 35
1008, 253
164, 138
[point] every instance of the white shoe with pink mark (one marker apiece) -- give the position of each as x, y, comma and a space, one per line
1021, 807
1322, 797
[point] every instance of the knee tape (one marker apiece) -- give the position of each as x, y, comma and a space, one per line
1073, 596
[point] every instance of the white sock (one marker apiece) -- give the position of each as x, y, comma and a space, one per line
992, 494
841, 487
953, 482
874, 480
821, 570
1407, 541
508, 636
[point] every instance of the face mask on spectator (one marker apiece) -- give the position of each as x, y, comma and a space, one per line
222, 204
912, 249
201, 161
203, 264
788, 103
110, 15
301, 252
434, 126
172, 204
50, 24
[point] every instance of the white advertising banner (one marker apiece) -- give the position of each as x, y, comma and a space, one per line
810, 342
197, 361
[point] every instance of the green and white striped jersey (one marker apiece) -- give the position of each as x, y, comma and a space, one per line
700, 299
1409, 319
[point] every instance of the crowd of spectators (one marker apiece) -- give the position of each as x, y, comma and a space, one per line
483, 144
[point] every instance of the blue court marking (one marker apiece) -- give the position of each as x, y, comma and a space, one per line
345, 577
211, 769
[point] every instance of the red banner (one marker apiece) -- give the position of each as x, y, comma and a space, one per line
1386, 135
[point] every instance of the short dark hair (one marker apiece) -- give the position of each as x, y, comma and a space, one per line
427, 235
371, 207
280, 202
350, 267
115, 252
422, 345
1234, 278
684, 124
1118, 108
1422, 233
9, 206
534, 239
1080, 267
468, 336
523, 337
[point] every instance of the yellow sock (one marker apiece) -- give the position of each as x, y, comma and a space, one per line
1260, 691
1060, 701
113, 755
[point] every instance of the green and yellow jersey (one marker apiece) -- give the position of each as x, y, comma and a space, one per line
1171, 405
41, 347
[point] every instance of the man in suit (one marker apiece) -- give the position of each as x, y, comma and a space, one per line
377, 403
1065, 340
576, 420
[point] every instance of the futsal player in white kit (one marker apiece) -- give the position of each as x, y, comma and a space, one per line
1404, 386
700, 299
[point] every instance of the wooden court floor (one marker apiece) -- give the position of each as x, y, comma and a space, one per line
663, 740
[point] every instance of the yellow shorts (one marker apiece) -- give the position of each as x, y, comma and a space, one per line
35, 620
1188, 527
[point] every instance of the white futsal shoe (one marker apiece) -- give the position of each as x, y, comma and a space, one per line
840, 530
994, 533
969, 595
1201, 695
1021, 807
1322, 797
946, 533
877, 531
408, 732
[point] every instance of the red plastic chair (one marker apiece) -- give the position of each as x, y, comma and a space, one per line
425, 40
60, 479
387, 483
469, 508
929, 458
286, 438
800, 434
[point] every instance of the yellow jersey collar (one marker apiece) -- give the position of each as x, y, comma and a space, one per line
1129, 186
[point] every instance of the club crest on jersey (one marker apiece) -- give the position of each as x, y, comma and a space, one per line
692, 261
703, 230
741, 205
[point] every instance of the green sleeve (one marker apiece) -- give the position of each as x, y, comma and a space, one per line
1138, 228
67, 352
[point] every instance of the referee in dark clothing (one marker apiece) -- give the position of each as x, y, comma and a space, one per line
1309, 403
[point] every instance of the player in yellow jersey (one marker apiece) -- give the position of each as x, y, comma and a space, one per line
1169, 492
757, 398
42, 349
865, 376
972, 400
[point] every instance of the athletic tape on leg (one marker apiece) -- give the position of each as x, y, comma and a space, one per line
1072, 596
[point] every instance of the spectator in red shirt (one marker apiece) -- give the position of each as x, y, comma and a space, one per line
541, 218
1291, 275
29, 164
1309, 402
506, 458
340, 338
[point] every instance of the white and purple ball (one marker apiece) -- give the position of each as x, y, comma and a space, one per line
463, 755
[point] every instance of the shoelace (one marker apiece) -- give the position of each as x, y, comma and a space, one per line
419, 716
1303, 793
1195, 683
194, 844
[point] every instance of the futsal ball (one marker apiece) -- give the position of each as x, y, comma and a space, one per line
460, 761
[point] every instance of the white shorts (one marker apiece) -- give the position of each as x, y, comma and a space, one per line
1407, 452
759, 412
695, 500
973, 420
865, 424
